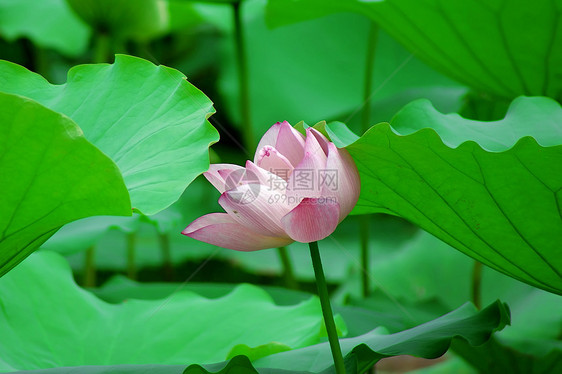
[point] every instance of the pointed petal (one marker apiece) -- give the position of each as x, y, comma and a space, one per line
322, 140
257, 207
216, 179
273, 161
341, 179
269, 138
315, 142
312, 220
290, 143
223, 231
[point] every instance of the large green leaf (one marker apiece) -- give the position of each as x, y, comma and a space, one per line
429, 340
477, 186
323, 78
238, 365
147, 118
532, 345
507, 48
495, 357
85, 337
439, 278
51, 175
75, 328
61, 30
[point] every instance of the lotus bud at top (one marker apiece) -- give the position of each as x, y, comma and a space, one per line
296, 189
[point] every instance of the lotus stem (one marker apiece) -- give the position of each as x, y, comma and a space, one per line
368, 82
247, 128
102, 48
364, 220
89, 279
42, 62
326, 308
167, 267
477, 284
131, 249
288, 273
364, 239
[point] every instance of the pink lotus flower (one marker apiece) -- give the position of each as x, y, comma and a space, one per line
297, 189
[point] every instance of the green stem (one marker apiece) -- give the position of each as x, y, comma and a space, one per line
367, 85
90, 268
167, 266
118, 45
131, 249
477, 284
102, 48
288, 274
42, 62
368, 82
247, 128
326, 308
364, 238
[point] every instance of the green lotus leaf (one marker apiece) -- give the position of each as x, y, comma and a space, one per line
147, 118
429, 340
51, 175
173, 329
238, 365
76, 328
62, 30
504, 48
474, 185
441, 280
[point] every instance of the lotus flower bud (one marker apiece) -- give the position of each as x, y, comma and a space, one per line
296, 189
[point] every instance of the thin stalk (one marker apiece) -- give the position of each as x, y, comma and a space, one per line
477, 284
368, 82
364, 238
288, 274
42, 62
89, 279
118, 45
326, 308
167, 267
102, 48
242, 64
131, 254
365, 120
